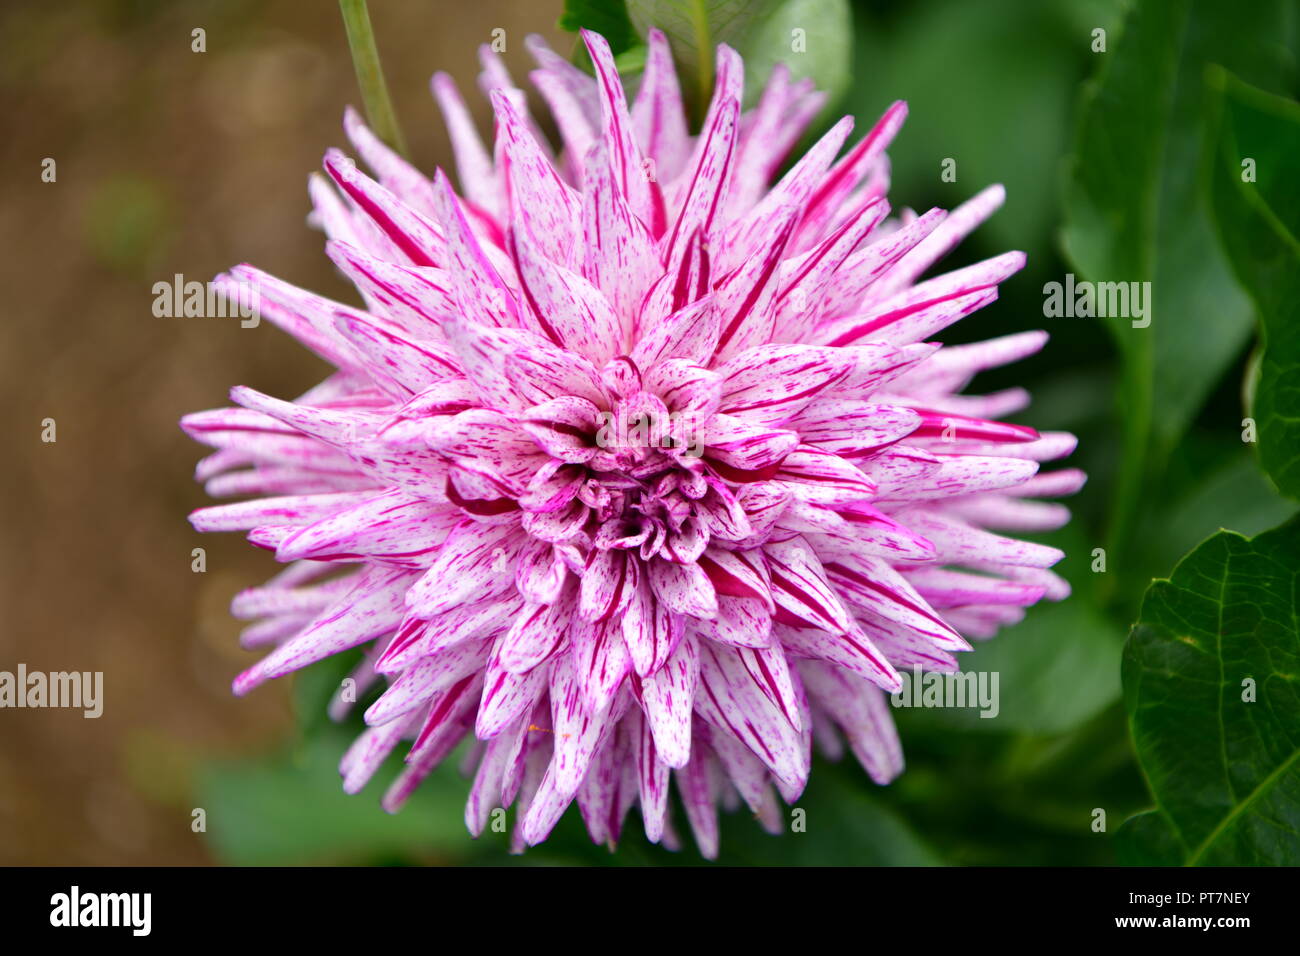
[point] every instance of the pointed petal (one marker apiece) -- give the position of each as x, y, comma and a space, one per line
667, 698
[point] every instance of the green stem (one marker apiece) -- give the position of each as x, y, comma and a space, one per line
370, 77
704, 55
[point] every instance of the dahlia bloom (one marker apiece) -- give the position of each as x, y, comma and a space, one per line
635, 465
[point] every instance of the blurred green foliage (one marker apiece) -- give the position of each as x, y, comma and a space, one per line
1257, 202
127, 222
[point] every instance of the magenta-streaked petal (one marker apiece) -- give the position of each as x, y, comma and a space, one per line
873, 261
667, 697
572, 97
873, 586
618, 253
791, 192
658, 113
288, 510
429, 676
372, 608
859, 709
476, 281
417, 637
449, 715
610, 787
770, 383
683, 588
1010, 514
739, 573
486, 793
866, 528
475, 561
952, 475
923, 310
1052, 484
731, 700
473, 163
854, 167
957, 542
905, 648
686, 389
804, 280
706, 187
418, 239
741, 622
607, 585
691, 333
557, 527
695, 785
822, 477
958, 224
539, 572
854, 650
800, 587
564, 307
392, 528
652, 775
952, 368
854, 429
944, 588
650, 630
412, 365
490, 446
542, 372
564, 427
397, 175
483, 353
600, 661
416, 299
507, 695
307, 317
538, 632
368, 753
534, 185
577, 730
747, 296
630, 173
754, 449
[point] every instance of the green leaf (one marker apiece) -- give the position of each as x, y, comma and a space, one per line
607, 17
1147, 839
1259, 221
631, 62
1224, 769
814, 38
694, 29
1136, 211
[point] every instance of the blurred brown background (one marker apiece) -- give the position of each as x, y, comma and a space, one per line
168, 161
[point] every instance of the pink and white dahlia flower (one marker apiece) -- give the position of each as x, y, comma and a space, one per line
635, 465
